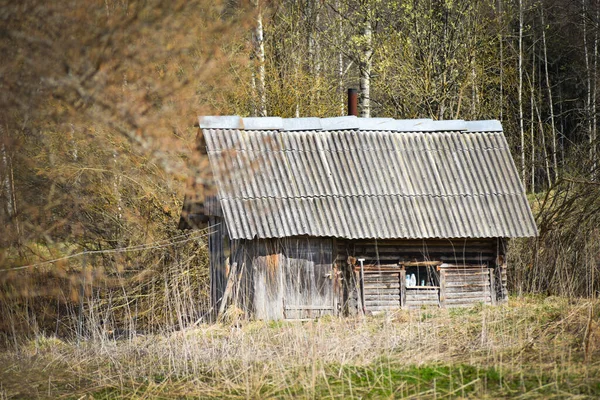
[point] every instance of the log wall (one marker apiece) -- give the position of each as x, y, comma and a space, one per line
301, 277
471, 273
466, 285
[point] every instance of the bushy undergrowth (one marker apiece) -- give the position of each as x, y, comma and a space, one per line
108, 294
565, 259
533, 347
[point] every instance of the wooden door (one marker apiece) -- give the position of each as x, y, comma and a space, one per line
309, 280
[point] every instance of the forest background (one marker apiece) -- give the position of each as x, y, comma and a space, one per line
97, 137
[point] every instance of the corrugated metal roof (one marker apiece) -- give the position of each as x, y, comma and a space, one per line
277, 180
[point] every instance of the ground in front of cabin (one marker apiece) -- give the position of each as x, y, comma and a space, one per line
532, 348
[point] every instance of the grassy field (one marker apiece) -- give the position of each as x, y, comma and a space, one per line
531, 348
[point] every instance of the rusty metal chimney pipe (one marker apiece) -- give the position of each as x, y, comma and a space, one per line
353, 102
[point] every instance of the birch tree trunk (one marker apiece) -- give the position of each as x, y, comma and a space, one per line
9, 205
588, 74
550, 98
532, 111
500, 39
520, 94
340, 66
365, 69
594, 132
260, 54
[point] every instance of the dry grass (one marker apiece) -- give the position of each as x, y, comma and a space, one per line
534, 347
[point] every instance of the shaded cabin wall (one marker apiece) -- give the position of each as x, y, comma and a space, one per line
301, 277
218, 247
449, 272
291, 278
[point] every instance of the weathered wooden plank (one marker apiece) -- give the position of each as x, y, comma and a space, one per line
384, 295
463, 289
399, 255
370, 304
410, 298
492, 286
307, 307
470, 297
402, 287
468, 278
384, 308
458, 267
419, 303
450, 283
442, 288
456, 244
381, 278
472, 300
478, 272
423, 294
420, 263
371, 285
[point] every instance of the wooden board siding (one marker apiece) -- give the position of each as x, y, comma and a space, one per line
382, 290
466, 284
292, 278
301, 277
455, 251
417, 297
218, 267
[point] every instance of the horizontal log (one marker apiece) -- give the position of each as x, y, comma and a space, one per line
462, 282
479, 272
464, 266
420, 263
468, 295
383, 271
398, 256
421, 297
464, 259
457, 295
485, 300
381, 282
382, 285
383, 308
422, 288
428, 242
380, 291
369, 304
421, 303
302, 307
378, 295
384, 278
466, 285
461, 305
467, 277
462, 289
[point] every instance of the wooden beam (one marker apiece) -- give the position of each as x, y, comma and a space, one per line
492, 285
420, 263
443, 288
402, 287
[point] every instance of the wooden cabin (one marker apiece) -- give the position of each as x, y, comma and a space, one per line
336, 216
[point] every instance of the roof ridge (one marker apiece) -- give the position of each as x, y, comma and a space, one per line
347, 123
454, 195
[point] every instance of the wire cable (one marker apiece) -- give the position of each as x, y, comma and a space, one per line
155, 245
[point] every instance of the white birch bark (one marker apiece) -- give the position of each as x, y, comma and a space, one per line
260, 54
532, 124
594, 131
588, 78
550, 98
520, 94
6, 183
365, 71
340, 70
500, 39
